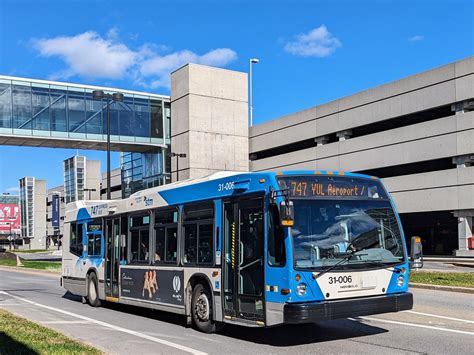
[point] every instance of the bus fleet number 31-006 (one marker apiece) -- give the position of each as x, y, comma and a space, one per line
226, 186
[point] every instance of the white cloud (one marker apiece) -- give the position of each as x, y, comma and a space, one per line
158, 67
318, 42
416, 38
13, 189
89, 55
92, 56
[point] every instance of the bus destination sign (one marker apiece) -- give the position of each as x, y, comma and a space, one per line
331, 187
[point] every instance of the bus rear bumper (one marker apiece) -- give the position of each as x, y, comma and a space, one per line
318, 311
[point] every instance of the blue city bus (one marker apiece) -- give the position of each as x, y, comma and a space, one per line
254, 249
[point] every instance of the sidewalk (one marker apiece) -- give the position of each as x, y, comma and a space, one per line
50, 255
448, 258
447, 265
442, 288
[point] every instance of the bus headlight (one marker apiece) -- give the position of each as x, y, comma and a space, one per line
400, 281
301, 289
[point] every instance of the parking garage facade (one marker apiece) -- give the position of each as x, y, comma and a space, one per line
415, 133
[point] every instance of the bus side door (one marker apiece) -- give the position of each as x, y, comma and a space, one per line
243, 259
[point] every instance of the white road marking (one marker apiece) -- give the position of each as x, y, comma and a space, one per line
114, 327
415, 325
64, 322
3, 293
443, 317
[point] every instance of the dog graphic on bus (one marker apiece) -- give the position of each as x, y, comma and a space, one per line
149, 284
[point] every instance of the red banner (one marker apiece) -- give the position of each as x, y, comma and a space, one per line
9, 218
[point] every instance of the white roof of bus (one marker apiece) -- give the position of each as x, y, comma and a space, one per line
73, 206
213, 176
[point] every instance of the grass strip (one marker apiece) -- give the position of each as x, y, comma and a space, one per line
39, 265
443, 278
20, 336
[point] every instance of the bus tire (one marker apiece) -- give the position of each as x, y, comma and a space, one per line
201, 309
93, 290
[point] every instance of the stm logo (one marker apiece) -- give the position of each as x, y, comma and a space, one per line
176, 284
148, 201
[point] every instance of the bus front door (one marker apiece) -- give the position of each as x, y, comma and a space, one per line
243, 269
112, 258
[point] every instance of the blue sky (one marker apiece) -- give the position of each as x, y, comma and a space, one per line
310, 52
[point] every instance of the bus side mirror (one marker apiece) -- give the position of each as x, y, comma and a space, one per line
416, 254
287, 213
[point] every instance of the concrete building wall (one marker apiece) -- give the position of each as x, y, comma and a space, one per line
39, 224
445, 137
444, 85
115, 183
398, 136
209, 121
93, 179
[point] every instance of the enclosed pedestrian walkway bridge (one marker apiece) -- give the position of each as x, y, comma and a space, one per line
41, 113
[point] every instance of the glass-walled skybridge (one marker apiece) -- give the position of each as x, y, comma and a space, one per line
53, 114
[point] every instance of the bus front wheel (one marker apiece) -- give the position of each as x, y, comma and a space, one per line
202, 309
93, 290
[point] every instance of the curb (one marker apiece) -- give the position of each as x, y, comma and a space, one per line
442, 288
30, 271
463, 265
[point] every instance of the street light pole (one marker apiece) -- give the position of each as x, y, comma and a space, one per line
251, 62
115, 97
108, 148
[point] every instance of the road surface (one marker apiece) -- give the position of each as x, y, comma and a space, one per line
440, 323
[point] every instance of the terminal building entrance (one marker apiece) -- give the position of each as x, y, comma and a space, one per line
438, 231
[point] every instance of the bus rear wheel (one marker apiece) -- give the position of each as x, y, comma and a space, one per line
201, 308
93, 290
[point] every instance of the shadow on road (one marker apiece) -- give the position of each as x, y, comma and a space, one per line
280, 336
137, 311
290, 335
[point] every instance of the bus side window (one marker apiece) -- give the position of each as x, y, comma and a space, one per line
276, 240
199, 233
94, 239
166, 236
140, 238
123, 240
75, 241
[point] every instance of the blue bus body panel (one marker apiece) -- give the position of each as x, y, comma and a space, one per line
231, 186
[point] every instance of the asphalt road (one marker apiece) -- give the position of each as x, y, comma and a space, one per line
440, 323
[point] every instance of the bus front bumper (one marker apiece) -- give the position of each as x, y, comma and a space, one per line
346, 308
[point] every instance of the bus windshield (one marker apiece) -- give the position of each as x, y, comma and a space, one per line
357, 226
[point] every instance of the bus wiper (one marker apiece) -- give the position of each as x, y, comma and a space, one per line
345, 258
